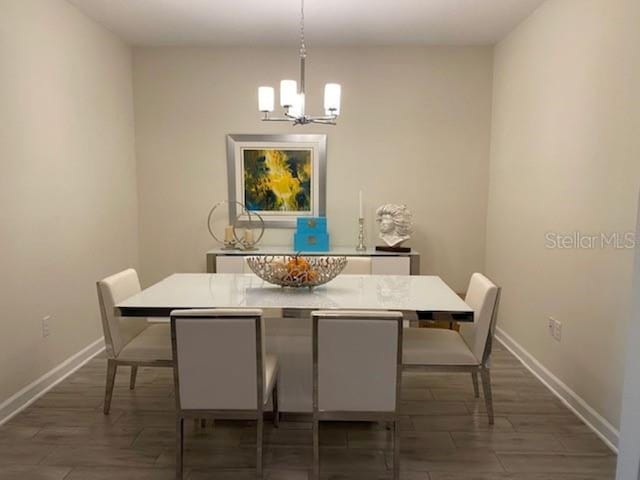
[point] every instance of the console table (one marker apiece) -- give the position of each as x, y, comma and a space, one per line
382, 263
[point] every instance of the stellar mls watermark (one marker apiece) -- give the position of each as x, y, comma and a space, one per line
591, 241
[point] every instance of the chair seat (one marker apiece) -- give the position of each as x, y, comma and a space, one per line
435, 346
270, 375
153, 343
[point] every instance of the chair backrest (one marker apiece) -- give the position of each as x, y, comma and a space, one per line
357, 360
118, 331
219, 358
483, 297
357, 266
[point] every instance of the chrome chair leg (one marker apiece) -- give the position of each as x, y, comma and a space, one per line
112, 368
134, 374
486, 388
476, 388
396, 449
259, 440
276, 409
316, 450
179, 448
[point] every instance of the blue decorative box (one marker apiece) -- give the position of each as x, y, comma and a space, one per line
311, 235
311, 225
311, 242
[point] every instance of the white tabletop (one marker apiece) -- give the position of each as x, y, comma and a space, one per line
371, 292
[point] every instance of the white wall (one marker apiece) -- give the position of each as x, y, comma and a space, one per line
629, 459
415, 128
68, 203
562, 161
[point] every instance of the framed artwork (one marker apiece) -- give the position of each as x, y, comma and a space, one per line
281, 177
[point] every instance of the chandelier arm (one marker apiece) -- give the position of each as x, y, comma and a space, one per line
323, 122
277, 119
331, 118
302, 120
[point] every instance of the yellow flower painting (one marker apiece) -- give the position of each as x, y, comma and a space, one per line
277, 180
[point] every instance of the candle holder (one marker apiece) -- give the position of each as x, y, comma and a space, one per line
361, 247
230, 245
248, 241
233, 241
227, 241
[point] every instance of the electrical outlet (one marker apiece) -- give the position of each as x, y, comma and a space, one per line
557, 330
46, 331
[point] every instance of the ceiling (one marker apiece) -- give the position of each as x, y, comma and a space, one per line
328, 22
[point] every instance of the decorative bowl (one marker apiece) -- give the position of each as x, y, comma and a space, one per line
296, 271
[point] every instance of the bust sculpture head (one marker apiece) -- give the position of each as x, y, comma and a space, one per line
394, 223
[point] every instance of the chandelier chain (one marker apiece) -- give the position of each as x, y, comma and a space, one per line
303, 47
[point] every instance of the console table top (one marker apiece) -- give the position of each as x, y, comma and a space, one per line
281, 250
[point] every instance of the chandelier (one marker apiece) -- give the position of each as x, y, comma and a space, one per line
292, 100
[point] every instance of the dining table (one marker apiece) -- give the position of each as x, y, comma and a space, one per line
287, 311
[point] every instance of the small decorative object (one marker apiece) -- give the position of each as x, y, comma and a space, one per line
279, 177
311, 235
293, 100
247, 240
361, 247
229, 239
394, 222
297, 271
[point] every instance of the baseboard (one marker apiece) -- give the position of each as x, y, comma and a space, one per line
29, 394
571, 399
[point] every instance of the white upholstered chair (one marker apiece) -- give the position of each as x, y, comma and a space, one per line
357, 371
221, 370
440, 350
130, 342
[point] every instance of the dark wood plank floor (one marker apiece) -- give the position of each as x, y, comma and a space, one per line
445, 435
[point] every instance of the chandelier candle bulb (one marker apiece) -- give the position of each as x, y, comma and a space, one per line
266, 98
288, 93
297, 109
332, 93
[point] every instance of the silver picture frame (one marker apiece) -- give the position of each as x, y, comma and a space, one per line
236, 143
